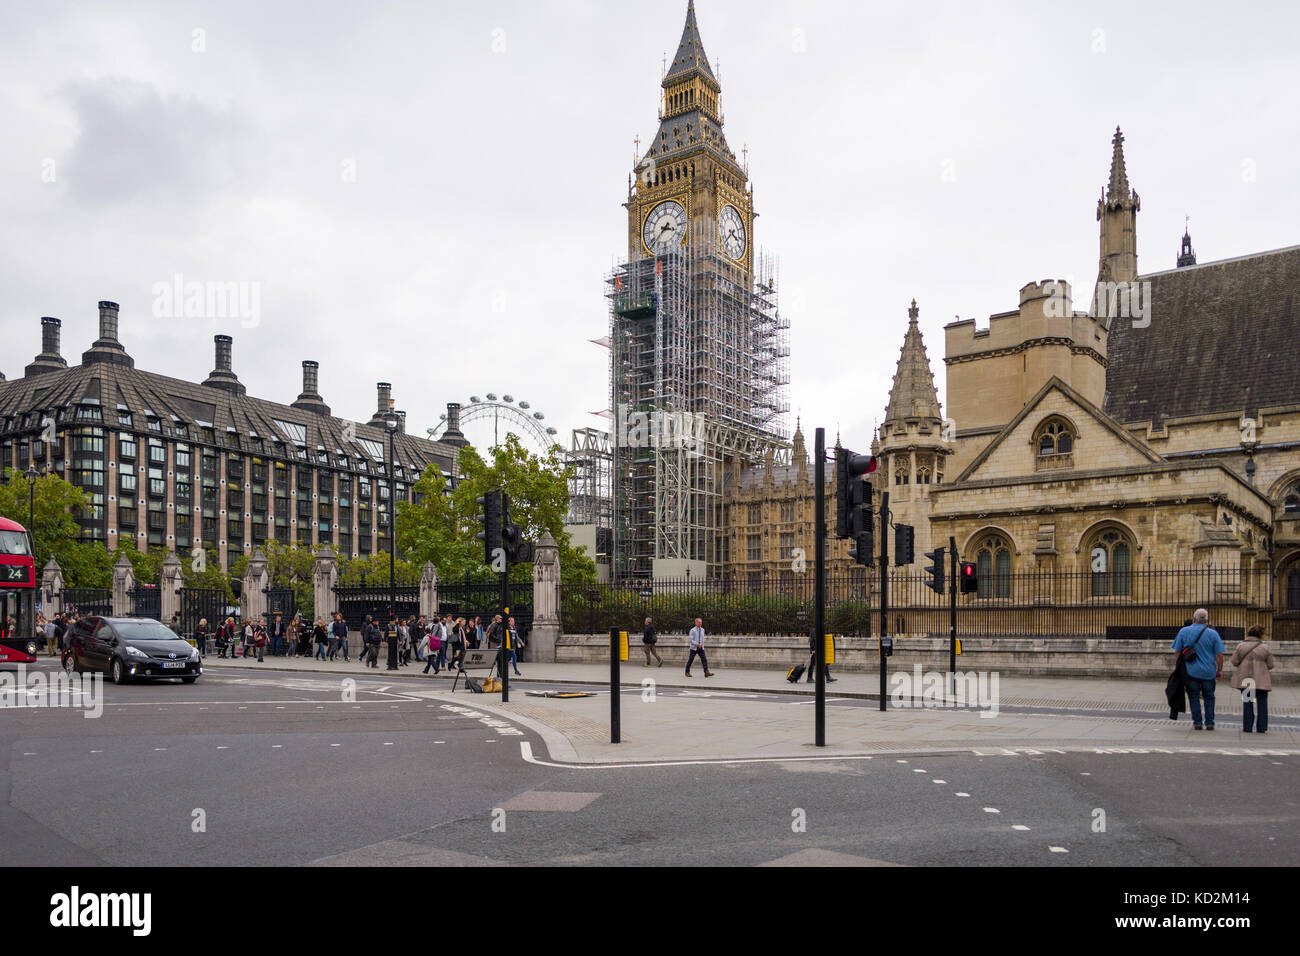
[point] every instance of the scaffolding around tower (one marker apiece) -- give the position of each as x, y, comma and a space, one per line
699, 365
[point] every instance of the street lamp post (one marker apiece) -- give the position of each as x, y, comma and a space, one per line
32, 475
391, 425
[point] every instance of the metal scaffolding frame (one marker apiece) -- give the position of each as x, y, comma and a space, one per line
591, 489
699, 360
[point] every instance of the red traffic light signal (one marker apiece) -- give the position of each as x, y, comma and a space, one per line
969, 578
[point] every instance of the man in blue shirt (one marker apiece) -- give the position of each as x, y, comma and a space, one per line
1205, 669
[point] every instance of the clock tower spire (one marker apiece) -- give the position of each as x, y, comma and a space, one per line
688, 182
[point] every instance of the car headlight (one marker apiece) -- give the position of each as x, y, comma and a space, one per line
136, 652
194, 654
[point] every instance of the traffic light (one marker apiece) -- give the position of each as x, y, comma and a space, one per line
970, 579
492, 506
518, 551
904, 544
935, 570
852, 495
863, 547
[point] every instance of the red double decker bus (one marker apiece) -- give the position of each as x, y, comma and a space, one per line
17, 588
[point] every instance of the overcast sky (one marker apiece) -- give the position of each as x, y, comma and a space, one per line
430, 193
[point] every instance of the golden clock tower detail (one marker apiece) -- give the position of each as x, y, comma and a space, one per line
689, 179
698, 346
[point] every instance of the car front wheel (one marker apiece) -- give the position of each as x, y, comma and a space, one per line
31, 648
119, 672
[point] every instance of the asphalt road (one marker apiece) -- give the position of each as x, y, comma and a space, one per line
276, 768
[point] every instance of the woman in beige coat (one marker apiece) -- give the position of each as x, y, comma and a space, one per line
1251, 661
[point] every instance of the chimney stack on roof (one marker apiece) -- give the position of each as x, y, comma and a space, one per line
384, 408
452, 435
107, 348
49, 360
310, 399
223, 375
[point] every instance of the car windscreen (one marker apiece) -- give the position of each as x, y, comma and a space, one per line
144, 631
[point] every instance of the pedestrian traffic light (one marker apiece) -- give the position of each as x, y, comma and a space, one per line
852, 494
970, 580
492, 512
904, 544
935, 570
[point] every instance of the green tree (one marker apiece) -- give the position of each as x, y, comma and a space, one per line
56, 505
442, 527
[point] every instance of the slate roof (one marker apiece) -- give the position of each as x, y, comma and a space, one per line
113, 385
1224, 337
690, 55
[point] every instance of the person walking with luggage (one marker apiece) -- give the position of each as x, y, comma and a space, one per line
648, 642
812, 663
1202, 649
697, 647
1252, 660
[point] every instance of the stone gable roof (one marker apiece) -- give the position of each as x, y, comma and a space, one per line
1224, 337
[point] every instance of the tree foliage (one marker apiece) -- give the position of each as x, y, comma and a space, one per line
55, 505
443, 528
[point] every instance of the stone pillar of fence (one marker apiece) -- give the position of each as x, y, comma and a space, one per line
257, 579
123, 585
52, 588
428, 590
546, 602
173, 579
324, 577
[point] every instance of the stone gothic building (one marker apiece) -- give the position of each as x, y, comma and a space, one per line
1159, 428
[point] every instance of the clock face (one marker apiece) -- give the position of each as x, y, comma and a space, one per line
731, 229
665, 227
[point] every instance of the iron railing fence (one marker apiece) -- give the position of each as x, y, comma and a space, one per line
1136, 603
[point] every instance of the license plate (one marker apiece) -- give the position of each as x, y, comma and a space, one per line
173, 663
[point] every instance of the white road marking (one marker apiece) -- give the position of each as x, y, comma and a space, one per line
489, 741
29, 753
900, 761
156, 749
1058, 849
526, 751
960, 794
941, 781
440, 741
992, 810
1019, 826
388, 743
336, 745
97, 751
276, 746
917, 770
220, 747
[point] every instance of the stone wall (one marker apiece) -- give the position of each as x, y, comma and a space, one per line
1020, 657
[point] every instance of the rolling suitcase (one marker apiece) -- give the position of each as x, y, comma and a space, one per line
796, 672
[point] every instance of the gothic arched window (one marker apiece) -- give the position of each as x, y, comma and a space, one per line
1109, 559
993, 564
1291, 502
923, 475
1293, 589
900, 474
1054, 437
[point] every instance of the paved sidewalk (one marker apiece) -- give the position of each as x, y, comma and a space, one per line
1054, 692
757, 715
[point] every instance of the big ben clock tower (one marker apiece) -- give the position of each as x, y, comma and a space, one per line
689, 178
697, 344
